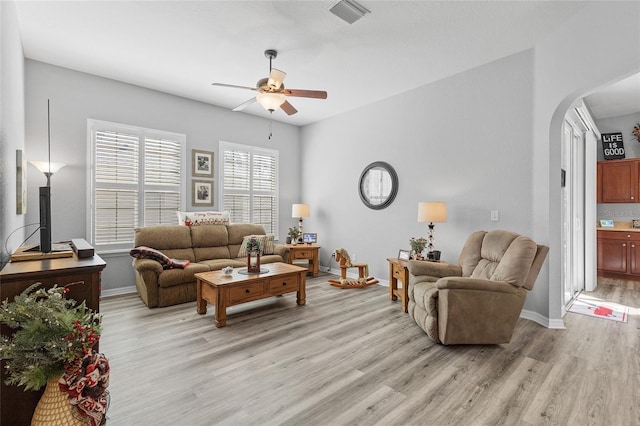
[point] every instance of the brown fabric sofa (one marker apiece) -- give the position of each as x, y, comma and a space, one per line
479, 300
207, 247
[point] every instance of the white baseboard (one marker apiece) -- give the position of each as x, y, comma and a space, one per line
542, 320
118, 291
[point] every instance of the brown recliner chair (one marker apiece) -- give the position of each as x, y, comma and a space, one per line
479, 300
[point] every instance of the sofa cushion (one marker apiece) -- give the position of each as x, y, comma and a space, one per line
210, 242
265, 241
173, 277
163, 238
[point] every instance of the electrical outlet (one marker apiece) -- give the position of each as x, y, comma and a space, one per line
495, 216
354, 257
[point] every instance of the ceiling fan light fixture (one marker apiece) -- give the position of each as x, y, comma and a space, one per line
276, 78
271, 101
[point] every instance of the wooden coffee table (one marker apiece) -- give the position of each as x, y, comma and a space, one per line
229, 290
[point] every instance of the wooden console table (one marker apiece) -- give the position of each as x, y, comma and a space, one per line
16, 405
398, 271
305, 251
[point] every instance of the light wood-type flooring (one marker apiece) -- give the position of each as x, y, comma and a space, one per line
350, 356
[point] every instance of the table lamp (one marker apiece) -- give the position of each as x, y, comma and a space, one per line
432, 212
300, 211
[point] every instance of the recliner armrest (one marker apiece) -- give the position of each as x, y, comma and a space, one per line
467, 283
141, 265
434, 269
282, 251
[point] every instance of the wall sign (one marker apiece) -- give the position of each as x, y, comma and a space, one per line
612, 146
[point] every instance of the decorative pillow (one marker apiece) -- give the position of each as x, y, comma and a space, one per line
144, 252
203, 218
265, 241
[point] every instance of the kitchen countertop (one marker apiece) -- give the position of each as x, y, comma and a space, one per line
619, 226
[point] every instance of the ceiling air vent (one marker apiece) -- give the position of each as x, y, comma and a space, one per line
349, 11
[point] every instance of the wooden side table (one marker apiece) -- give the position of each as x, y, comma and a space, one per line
305, 251
398, 271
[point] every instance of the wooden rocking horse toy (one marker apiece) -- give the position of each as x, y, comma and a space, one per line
364, 280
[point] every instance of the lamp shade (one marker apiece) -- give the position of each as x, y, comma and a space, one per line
271, 101
275, 78
300, 210
432, 212
47, 167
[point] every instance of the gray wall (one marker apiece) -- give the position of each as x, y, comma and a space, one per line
77, 96
448, 141
12, 125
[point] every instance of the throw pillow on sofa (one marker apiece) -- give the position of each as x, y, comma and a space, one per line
203, 218
144, 252
265, 241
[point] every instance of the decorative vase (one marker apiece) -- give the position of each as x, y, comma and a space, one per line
294, 241
54, 408
253, 262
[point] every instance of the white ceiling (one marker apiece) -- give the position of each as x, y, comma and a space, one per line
181, 47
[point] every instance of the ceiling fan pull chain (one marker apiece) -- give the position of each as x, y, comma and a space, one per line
270, 126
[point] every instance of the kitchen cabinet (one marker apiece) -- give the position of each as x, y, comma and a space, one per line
619, 254
618, 181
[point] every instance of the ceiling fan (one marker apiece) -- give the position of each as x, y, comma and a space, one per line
272, 93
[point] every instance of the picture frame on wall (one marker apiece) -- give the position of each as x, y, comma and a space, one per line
202, 193
202, 163
21, 183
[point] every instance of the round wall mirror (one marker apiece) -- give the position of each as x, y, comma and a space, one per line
378, 185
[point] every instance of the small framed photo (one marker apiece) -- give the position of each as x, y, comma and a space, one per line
606, 223
202, 163
202, 193
309, 237
635, 223
404, 254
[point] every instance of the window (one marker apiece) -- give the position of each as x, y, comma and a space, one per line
136, 178
249, 185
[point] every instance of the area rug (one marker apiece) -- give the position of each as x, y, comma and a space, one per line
594, 307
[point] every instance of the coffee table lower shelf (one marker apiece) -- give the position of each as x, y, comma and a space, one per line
223, 291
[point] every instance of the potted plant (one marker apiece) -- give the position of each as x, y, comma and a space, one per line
52, 345
417, 245
636, 132
294, 233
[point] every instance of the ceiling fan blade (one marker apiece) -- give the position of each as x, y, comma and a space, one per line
288, 108
244, 104
233, 86
317, 94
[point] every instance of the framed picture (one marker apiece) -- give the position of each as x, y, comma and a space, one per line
202, 193
202, 163
606, 223
404, 255
21, 183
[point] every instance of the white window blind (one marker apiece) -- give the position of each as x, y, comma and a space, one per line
136, 177
249, 184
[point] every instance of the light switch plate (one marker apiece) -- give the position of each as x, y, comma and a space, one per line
495, 216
